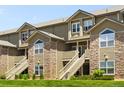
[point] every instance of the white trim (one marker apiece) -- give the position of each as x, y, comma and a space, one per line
75, 23
102, 22
79, 11
34, 46
107, 44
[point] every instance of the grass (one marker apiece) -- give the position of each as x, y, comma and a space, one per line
61, 83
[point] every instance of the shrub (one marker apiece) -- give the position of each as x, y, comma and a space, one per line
3, 77
74, 78
98, 73
105, 77
86, 77
25, 76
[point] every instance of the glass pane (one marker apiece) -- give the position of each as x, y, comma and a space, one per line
110, 36
102, 64
39, 41
90, 23
36, 72
103, 38
85, 23
110, 70
40, 50
103, 44
110, 43
78, 27
74, 27
110, 64
36, 51
104, 69
107, 32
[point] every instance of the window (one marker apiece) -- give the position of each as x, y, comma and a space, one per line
107, 38
38, 69
24, 36
39, 47
88, 24
108, 67
76, 27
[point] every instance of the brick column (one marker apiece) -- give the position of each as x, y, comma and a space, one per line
119, 55
94, 53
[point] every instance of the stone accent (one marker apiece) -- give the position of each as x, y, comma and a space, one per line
119, 55
53, 55
49, 60
46, 62
94, 53
31, 60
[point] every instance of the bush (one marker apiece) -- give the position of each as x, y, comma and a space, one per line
105, 77
25, 76
74, 78
98, 73
86, 77
3, 77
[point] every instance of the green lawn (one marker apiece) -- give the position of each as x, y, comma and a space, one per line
59, 83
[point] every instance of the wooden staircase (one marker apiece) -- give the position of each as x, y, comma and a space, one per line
17, 69
71, 67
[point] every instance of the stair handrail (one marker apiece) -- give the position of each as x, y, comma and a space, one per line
11, 75
15, 65
67, 72
76, 54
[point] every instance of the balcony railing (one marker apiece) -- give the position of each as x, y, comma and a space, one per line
67, 55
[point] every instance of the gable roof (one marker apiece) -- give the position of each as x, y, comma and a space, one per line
105, 19
45, 33
51, 22
77, 12
108, 10
6, 43
63, 20
25, 25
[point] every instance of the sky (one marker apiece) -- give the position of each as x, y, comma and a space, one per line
14, 16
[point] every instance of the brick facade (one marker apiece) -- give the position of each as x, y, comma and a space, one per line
94, 53
49, 59
119, 55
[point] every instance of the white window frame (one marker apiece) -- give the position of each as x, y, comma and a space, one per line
40, 71
86, 23
107, 67
75, 23
107, 39
38, 48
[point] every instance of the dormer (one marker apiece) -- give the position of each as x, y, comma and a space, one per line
78, 23
24, 32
